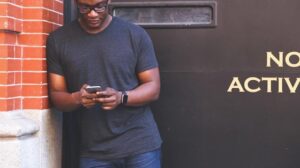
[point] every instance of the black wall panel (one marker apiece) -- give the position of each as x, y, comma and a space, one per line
204, 126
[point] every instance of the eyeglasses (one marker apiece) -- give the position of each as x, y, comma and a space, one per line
99, 8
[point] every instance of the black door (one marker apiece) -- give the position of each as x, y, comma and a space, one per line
202, 123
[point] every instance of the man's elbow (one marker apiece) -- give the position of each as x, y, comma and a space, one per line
156, 94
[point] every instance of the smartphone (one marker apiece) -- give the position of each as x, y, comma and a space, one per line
93, 89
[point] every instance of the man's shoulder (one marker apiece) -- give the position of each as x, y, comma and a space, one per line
64, 30
134, 29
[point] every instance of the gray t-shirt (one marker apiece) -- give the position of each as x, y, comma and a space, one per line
111, 58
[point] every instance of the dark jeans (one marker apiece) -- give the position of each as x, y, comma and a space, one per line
145, 160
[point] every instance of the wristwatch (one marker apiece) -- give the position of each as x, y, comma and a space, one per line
124, 97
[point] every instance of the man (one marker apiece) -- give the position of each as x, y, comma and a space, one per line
117, 128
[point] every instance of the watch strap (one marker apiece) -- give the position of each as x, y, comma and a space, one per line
124, 97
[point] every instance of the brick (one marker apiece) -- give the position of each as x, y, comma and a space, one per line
17, 51
10, 78
6, 105
54, 17
33, 13
10, 52
37, 26
14, 11
34, 52
3, 10
6, 51
38, 3
10, 24
34, 65
3, 64
7, 78
34, 90
15, 65
40, 14
10, 91
32, 39
18, 2
10, 10
58, 6
61, 19
8, 38
35, 103
17, 77
6, 24
10, 104
33, 3
18, 26
37, 78
4, 78
3, 91
14, 91
10, 65
17, 103
33, 26
48, 4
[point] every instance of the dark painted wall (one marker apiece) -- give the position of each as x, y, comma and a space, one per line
202, 125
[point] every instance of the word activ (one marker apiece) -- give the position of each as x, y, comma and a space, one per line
255, 84
269, 82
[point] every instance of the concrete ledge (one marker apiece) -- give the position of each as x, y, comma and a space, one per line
31, 139
14, 124
49, 137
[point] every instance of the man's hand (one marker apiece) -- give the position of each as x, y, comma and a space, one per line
85, 98
109, 98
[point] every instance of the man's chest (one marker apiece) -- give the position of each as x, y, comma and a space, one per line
90, 55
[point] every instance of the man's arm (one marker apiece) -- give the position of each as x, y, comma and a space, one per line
147, 91
65, 101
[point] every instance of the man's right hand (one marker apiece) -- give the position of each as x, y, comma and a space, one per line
86, 99
65, 101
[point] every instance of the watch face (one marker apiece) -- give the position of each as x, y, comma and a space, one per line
124, 97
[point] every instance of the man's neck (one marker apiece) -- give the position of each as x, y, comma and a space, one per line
104, 25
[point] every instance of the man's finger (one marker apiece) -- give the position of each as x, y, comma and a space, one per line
85, 101
89, 95
109, 104
106, 99
105, 93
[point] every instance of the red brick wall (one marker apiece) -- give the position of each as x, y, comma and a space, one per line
24, 27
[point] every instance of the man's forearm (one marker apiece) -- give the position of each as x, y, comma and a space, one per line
143, 94
64, 101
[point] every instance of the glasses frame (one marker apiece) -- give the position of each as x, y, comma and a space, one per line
98, 8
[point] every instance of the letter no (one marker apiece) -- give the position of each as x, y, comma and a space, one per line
271, 57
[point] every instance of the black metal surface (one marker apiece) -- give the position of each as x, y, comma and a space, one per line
202, 125
156, 14
70, 11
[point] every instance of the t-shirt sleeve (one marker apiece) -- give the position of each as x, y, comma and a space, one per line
146, 55
53, 61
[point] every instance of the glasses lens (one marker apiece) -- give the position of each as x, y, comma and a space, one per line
84, 9
97, 8
100, 9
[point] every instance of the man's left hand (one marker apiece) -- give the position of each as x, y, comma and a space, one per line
109, 98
